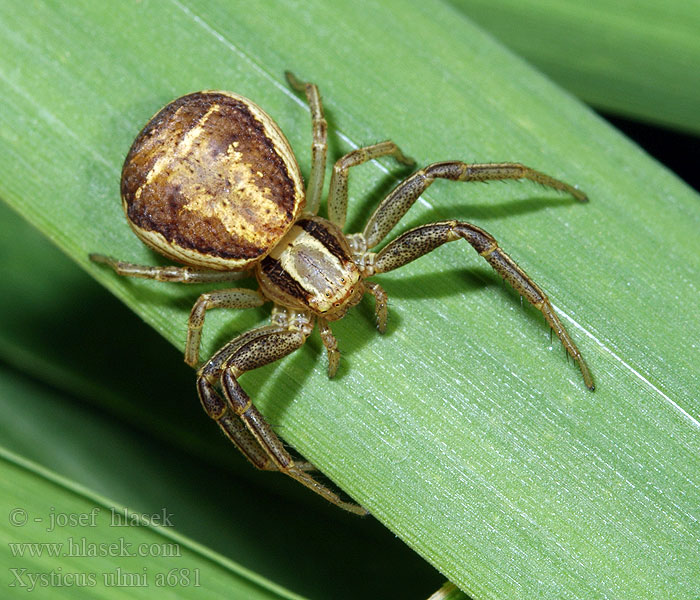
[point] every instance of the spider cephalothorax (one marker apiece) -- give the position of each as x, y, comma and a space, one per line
212, 182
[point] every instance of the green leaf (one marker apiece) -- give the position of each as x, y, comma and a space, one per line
462, 429
448, 591
633, 58
136, 430
89, 534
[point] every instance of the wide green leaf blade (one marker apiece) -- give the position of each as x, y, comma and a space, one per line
461, 430
634, 58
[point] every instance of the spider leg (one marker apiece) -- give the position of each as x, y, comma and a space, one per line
232, 298
380, 304
169, 272
331, 345
319, 146
338, 192
240, 419
402, 197
421, 240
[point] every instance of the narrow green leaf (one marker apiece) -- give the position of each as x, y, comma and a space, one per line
449, 591
462, 430
60, 541
634, 58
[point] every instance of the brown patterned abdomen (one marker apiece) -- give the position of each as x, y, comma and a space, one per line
211, 181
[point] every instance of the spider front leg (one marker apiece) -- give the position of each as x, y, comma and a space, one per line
235, 412
395, 205
421, 240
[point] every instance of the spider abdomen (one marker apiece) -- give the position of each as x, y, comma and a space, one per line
211, 181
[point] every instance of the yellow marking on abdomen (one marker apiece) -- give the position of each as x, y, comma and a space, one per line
246, 211
183, 146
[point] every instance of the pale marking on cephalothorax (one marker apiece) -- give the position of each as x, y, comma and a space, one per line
304, 239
